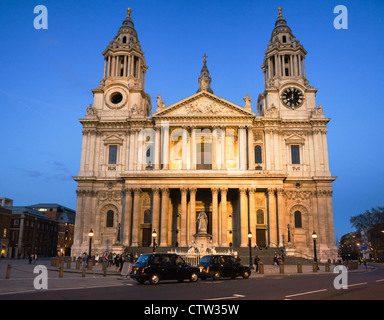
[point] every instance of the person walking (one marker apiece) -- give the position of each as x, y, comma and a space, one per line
257, 259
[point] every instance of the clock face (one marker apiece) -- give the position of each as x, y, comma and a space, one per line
292, 97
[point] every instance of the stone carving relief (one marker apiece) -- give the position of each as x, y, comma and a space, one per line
204, 107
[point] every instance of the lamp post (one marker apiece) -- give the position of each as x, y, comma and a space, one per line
154, 235
314, 237
90, 235
250, 249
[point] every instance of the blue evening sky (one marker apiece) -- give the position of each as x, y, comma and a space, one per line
47, 77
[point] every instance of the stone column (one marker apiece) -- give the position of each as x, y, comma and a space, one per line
242, 148
127, 217
251, 154
125, 67
272, 217
223, 149
192, 214
184, 148
243, 217
156, 210
215, 218
136, 216
281, 215
252, 215
183, 224
165, 146
193, 148
164, 217
224, 225
131, 149
157, 149
214, 148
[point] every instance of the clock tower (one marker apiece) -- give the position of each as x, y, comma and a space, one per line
286, 88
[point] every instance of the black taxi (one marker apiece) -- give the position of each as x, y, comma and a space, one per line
218, 266
160, 266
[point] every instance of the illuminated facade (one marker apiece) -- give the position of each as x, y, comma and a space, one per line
266, 173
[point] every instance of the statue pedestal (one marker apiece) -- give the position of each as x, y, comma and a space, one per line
202, 241
118, 248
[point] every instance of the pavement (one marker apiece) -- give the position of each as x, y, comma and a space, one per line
22, 277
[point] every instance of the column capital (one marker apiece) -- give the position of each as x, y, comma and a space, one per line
183, 190
223, 189
271, 191
165, 191
215, 190
252, 190
156, 190
192, 189
243, 190
137, 190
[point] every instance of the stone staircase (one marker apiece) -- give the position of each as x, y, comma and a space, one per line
266, 256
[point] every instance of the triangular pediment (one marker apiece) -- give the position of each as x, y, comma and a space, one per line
294, 139
203, 104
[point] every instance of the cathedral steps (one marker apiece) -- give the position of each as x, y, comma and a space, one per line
265, 255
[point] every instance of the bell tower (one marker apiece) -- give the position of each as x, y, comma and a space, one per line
121, 93
287, 92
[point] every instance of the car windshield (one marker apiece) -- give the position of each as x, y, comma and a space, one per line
143, 259
205, 260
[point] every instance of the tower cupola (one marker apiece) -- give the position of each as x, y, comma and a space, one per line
124, 59
204, 79
284, 58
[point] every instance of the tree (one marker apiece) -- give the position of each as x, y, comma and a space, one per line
371, 223
368, 220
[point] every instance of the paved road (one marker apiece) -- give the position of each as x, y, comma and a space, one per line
363, 284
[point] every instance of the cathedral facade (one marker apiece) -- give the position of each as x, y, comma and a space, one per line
264, 174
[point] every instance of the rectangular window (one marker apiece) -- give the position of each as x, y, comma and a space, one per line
295, 154
258, 157
112, 159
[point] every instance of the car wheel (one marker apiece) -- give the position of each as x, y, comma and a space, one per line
216, 276
245, 275
194, 277
154, 279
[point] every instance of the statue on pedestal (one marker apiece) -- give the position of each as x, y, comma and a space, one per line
202, 222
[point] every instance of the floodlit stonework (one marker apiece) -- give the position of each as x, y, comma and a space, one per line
264, 173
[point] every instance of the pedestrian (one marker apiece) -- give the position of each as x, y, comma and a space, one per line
275, 262
30, 259
257, 259
84, 259
34, 258
117, 262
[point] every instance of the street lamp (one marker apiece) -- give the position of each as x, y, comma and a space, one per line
314, 237
154, 235
250, 249
90, 235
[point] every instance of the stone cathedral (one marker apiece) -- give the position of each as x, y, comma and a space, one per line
264, 173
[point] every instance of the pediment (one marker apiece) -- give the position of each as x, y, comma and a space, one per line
203, 104
294, 139
113, 139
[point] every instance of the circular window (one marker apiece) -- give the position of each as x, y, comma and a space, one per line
116, 97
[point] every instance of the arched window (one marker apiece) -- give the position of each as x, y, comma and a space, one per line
147, 216
298, 220
124, 39
258, 156
284, 39
110, 216
260, 216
